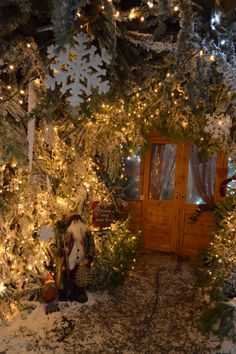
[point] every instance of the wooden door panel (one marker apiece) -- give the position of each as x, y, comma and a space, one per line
157, 225
197, 235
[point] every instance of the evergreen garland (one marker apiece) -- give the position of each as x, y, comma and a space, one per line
116, 256
217, 274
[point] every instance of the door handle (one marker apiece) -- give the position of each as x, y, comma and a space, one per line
176, 194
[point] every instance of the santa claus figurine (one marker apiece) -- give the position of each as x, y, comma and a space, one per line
79, 249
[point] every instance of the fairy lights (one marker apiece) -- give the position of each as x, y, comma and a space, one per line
132, 14
212, 57
150, 4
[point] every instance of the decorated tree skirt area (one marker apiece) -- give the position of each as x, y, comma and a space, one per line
154, 312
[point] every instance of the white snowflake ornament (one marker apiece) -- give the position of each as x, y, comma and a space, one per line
44, 233
218, 126
78, 69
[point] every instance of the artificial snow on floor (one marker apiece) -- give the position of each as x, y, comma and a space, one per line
154, 312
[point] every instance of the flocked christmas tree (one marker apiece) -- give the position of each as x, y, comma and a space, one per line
170, 66
62, 183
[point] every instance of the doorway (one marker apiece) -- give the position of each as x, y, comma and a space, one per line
174, 197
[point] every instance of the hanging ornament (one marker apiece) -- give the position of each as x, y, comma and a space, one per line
49, 134
31, 123
49, 187
78, 69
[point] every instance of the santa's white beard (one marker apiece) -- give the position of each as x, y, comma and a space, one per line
77, 229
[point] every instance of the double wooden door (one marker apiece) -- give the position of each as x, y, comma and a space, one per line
166, 207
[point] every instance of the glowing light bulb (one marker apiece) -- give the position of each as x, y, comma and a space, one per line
2, 287
212, 58
28, 45
117, 14
150, 4
22, 92
142, 18
131, 14
176, 8
11, 67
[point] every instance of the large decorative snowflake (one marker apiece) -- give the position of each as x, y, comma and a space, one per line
78, 69
218, 126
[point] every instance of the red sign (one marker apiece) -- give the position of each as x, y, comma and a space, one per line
102, 214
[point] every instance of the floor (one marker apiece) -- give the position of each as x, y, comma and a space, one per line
154, 312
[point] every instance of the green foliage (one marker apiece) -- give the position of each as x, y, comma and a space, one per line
116, 257
15, 12
215, 271
63, 18
224, 205
200, 266
218, 319
15, 151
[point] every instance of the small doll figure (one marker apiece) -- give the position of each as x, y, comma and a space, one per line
79, 249
50, 295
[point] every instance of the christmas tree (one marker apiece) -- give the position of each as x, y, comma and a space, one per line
217, 273
105, 74
63, 183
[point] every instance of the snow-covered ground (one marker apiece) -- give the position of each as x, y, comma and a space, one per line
154, 312
34, 331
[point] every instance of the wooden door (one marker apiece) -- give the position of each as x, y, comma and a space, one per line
163, 209
161, 200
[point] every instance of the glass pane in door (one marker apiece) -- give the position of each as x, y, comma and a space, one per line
162, 171
231, 186
201, 179
132, 174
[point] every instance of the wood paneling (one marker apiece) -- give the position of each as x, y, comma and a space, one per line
155, 226
197, 235
134, 212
